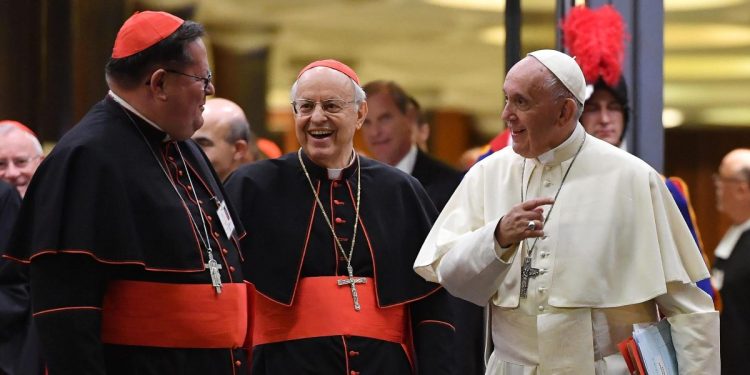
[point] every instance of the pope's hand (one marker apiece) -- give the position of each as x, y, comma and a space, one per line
524, 220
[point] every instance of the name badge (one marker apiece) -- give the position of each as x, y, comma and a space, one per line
226, 219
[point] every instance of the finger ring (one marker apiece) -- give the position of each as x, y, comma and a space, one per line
531, 225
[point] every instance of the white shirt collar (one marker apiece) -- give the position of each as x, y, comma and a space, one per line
729, 241
565, 150
407, 163
130, 108
335, 173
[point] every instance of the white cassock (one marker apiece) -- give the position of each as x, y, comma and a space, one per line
615, 246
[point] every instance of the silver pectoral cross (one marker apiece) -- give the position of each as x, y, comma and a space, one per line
351, 281
213, 269
527, 271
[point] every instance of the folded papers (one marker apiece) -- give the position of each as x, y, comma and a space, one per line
650, 350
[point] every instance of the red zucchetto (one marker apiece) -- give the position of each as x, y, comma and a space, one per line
143, 30
333, 64
18, 126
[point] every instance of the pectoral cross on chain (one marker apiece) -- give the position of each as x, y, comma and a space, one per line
213, 269
527, 271
351, 281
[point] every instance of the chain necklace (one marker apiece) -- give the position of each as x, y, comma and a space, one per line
213, 266
351, 280
527, 271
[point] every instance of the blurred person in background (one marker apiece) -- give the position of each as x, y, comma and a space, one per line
226, 137
393, 131
731, 273
20, 154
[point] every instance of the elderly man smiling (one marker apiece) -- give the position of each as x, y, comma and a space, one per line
569, 240
333, 238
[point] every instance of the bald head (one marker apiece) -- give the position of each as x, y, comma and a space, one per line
225, 136
733, 185
737, 162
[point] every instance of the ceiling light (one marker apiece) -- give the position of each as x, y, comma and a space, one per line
683, 5
486, 5
733, 116
534, 36
672, 117
494, 35
694, 36
495, 5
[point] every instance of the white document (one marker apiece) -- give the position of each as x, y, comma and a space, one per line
655, 345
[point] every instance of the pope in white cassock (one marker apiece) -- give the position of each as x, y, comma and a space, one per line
570, 241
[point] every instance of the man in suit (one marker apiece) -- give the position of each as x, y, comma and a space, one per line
731, 273
391, 132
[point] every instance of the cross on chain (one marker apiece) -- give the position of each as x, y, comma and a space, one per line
213, 269
351, 281
527, 271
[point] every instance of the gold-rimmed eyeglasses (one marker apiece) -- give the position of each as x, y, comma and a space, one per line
304, 107
206, 80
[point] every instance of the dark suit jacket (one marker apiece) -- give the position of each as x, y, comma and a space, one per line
19, 346
735, 317
438, 179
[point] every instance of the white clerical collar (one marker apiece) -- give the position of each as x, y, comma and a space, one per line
407, 163
729, 241
335, 173
565, 150
130, 108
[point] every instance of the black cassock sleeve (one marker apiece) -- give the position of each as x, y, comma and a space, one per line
67, 292
434, 334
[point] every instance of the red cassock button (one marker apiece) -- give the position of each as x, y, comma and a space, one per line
338, 202
354, 372
340, 220
231, 268
225, 251
352, 353
237, 363
335, 184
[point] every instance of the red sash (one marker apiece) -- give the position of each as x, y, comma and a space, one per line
175, 315
323, 308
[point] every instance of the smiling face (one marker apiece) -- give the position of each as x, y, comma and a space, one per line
388, 132
328, 138
186, 96
19, 158
531, 112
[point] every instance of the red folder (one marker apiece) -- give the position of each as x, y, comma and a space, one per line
629, 350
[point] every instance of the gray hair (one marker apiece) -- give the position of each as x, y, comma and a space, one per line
559, 92
359, 93
239, 129
6, 129
744, 173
